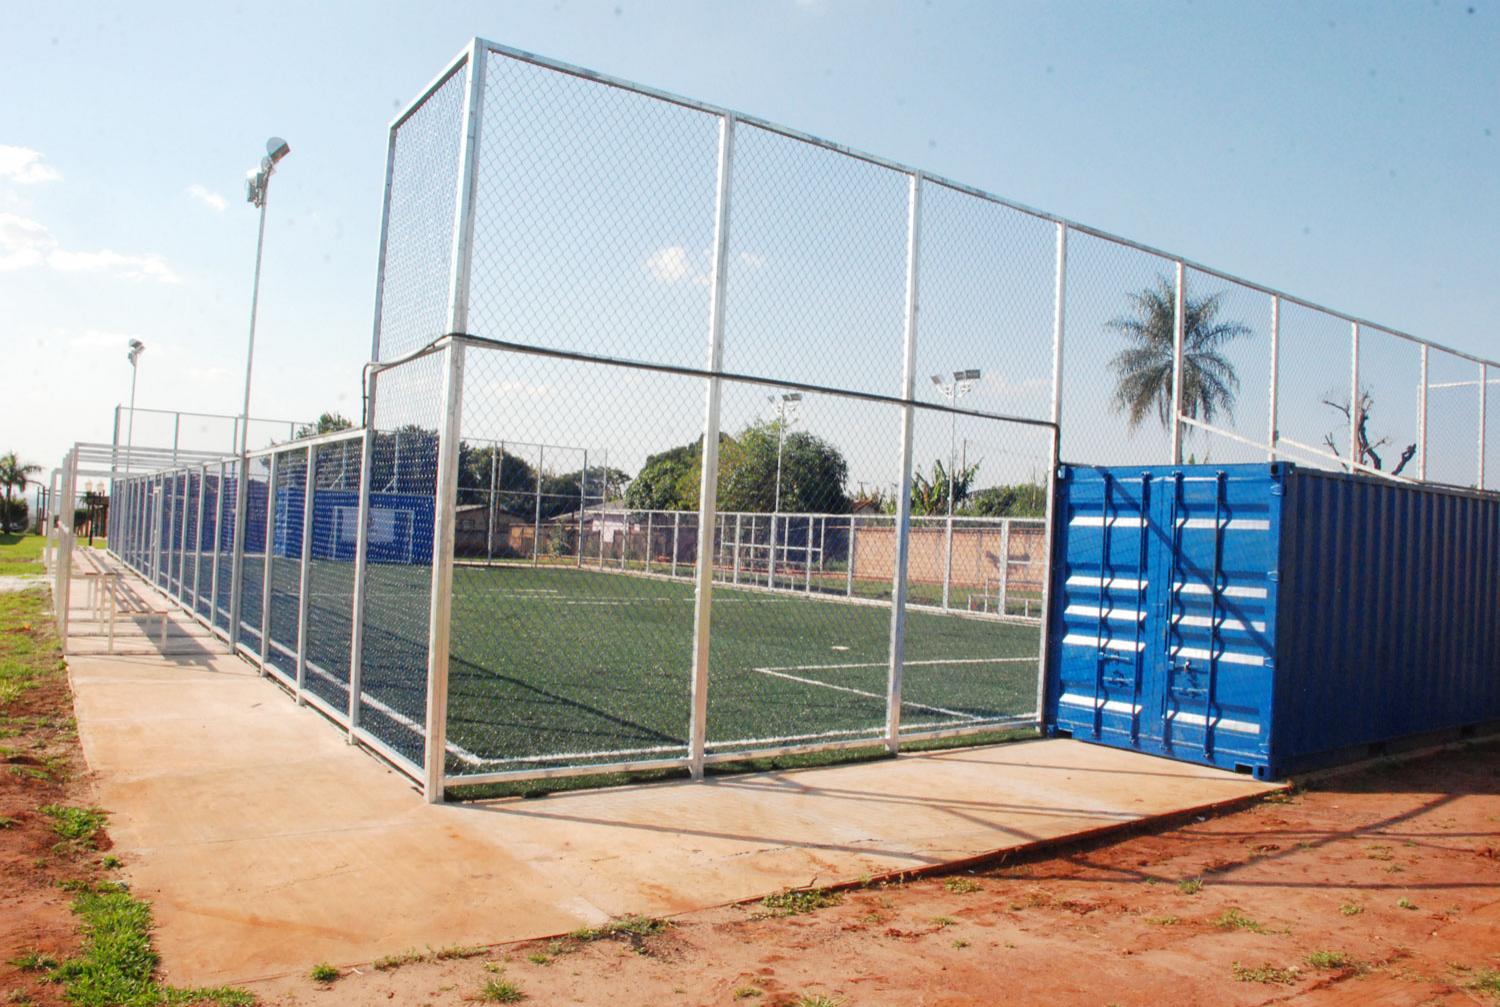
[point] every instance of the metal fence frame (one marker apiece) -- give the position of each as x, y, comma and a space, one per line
148, 506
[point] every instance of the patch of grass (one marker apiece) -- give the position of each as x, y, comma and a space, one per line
1190, 886
960, 944
21, 554
457, 951
539, 958
624, 926
1333, 960
501, 990
1233, 919
748, 993
7, 822
75, 825
1378, 852
29, 651
944, 921
1265, 974
324, 973
1405, 903
1351, 908
1485, 981
961, 886
116, 966
1163, 921
797, 901
386, 963
34, 961
817, 1000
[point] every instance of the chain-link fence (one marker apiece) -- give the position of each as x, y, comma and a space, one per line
690, 437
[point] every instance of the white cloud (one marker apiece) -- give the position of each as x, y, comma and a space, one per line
23, 243
26, 244
670, 264
207, 197
24, 166
129, 267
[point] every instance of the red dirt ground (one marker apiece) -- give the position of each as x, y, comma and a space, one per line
40, 763
1396, 868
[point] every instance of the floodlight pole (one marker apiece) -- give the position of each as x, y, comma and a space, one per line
962, 384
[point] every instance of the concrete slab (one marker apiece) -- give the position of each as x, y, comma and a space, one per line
266, 843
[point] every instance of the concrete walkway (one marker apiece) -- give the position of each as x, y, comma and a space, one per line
266, 844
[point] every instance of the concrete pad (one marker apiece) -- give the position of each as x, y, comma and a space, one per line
266, 843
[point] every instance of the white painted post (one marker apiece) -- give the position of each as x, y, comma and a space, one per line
213, 585
903, 501
267, 584
1484, 385
198, 540
807, 557
708, 487
64, 567
1355, 458
439, 622
1273, 432
1004, 565
676, 528
648, 541
489, 516
1179, 321
1422, 420
738, 532
361, 561
583, 504
309, 489
1059, 317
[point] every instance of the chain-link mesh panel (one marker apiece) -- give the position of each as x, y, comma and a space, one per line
224, 563
208, 538
1452, 419
192, 481
987, 290
252, 572
1226, 370
1313, 401
285, 557
1117, 354
570, 654
817, 265
593, 217
330, 582
1390, 381
417, 257
969, 661
398, 576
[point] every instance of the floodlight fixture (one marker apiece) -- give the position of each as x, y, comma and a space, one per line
277, 148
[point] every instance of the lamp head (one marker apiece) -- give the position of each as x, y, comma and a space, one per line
276, 149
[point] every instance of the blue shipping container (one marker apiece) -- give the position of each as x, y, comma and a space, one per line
1270, 618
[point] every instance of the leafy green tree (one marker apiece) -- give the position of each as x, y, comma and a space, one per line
929, 496
1019, 500
668, 480
326, 424
15, 475
813, 472
1143, 370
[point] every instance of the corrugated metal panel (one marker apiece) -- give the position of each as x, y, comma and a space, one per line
1267, 618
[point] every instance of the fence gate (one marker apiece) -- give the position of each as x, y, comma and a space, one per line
1161, 635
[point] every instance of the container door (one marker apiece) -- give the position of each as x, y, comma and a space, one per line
1212, 661
1101, 640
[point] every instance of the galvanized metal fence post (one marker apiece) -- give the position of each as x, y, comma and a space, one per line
213, 583
268, 585
1422, 420
536, 519
1484, 386
305, 580
439, 624
1059, 328
198, 538
903, 499
489, 516
361, 559
1179, 321
1273, 432
1356, 405
708, 487
64, 562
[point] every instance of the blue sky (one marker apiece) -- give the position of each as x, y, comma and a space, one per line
1344, 152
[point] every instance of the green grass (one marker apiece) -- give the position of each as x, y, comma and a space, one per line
1265, 974
75, 825
563, 665
20, 554
1332, 960
501, 990
961, 886
34, 961
796, 902
116, 966
29, 652
1190, 886
1486, 981
1233, 919
625, 926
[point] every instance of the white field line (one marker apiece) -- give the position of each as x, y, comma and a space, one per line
864, 692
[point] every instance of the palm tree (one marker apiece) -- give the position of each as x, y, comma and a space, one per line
14, 475
1143, 382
